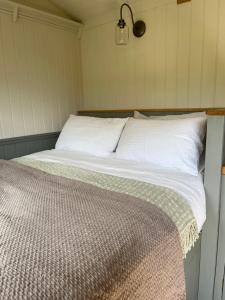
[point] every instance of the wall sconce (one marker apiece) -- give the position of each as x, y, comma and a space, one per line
122, 30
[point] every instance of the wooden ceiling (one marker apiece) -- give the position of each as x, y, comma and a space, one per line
85, 9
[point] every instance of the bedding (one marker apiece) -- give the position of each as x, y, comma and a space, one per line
67, 239
189, 187
167, 200
76, 226
173, 144
97, 136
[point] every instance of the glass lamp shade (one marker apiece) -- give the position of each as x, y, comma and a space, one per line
122, 35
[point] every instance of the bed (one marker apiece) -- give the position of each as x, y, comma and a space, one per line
134, 180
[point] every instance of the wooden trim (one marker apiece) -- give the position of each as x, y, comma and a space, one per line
209, 111
216, 112
223, 170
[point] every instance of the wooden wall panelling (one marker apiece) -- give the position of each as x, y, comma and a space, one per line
39, 73
220, 71
210, 50
179, 62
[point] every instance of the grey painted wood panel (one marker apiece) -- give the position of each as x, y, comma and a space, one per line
219, 292
16, 147
192, 265
126, 114
214, 160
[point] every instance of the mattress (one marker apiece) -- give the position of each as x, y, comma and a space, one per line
190, 187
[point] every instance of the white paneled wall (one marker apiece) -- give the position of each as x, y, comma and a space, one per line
180, 62
39, 76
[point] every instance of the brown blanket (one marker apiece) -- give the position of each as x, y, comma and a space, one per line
64, 239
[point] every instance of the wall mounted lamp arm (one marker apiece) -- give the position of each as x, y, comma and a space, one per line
121, 12
122, 30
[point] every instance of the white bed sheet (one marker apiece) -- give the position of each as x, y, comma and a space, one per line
188, 186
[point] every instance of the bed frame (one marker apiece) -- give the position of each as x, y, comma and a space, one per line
204, 275
19, 146
201, 262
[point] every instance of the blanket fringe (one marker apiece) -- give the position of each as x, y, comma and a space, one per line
188, 237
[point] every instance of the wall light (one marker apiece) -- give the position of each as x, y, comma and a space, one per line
122, 30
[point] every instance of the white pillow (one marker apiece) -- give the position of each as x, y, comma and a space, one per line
170, 144
96, 136
138, 115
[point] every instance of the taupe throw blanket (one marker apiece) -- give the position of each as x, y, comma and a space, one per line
64, 239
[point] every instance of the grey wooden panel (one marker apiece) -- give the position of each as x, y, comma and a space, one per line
107, 114
219, 292
214, 160
192, 265
125, 114
16, 147
224, 155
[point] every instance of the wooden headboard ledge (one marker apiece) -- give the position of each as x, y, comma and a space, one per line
223, 170
216, 112
209, 111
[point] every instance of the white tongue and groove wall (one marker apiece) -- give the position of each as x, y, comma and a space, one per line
48, 72
179, 62
39, 71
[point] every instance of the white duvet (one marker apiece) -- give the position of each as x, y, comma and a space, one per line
188, 186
